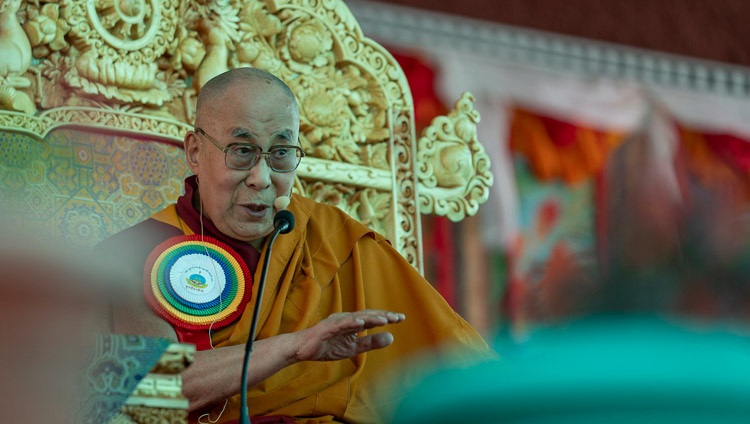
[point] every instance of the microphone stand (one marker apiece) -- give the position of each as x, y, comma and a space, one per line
283, 223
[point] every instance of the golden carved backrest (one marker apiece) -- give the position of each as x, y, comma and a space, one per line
107, 89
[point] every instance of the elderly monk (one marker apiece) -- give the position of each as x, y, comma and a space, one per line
332, 282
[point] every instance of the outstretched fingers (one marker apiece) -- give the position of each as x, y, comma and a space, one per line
372, 318
362, 320
374, 341
368, 319
338, 336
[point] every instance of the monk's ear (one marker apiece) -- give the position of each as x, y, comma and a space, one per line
192, 150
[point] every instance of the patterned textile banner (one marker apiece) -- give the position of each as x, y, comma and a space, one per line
557, 238
558, 173
117, 364
79, 187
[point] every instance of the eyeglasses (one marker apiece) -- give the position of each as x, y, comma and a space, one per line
244, 155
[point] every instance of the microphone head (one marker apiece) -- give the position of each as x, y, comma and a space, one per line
281, 203
283, 221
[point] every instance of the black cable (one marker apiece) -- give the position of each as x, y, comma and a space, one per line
283, 223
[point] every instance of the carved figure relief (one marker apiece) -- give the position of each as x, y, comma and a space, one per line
15, 59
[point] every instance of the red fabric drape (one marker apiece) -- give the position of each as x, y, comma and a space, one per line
421, 77
718, 161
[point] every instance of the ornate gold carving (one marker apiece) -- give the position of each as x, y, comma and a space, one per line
24, 123
338, 172
14, 43
175, 359
372, 207
159, 390
454, 172
119, 43
137, 66
15, 60
408, 239
146, 415
111, 120
158, 397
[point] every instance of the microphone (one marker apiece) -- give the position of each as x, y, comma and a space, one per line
283, 223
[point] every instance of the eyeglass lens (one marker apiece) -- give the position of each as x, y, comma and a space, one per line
280, 158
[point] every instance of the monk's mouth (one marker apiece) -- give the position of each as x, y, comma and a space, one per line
256, 211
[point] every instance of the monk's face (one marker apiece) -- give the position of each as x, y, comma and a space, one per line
240, 202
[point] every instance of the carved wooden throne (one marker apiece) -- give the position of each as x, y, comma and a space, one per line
95, 96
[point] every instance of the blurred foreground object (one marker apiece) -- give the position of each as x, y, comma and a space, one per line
49, 311
604, 369
656, 329
58, 361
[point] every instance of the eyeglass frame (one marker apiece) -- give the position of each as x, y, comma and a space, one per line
225, 150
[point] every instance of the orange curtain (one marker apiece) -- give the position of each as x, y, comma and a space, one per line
556, 149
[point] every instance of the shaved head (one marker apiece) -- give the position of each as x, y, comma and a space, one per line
211, 93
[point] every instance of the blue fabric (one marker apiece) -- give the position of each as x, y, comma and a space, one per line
604, 369
118, 364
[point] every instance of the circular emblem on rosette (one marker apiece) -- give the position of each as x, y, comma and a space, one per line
196, 283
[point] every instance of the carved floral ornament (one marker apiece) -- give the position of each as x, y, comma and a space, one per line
137, 65
453, 168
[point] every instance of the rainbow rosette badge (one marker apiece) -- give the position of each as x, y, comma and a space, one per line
196, 282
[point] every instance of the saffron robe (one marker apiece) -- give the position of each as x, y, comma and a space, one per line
332, 263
